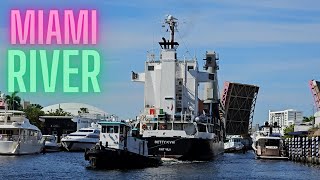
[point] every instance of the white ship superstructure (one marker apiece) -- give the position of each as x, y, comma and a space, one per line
175, 121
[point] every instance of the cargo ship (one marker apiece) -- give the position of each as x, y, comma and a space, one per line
175, 121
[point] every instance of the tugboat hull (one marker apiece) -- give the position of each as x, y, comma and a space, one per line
185, 148
109, 158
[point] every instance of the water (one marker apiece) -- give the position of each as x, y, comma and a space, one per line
65, 165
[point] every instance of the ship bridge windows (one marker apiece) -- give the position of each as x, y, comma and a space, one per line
85, 130
103, 129
268, 142
190, 68
211, 76
150, 68
112, 129
8, 132
109, 129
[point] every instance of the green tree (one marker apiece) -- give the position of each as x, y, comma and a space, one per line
288, 130
33, 112
308, 119
37, 106
83, 110
13, 101
58, 112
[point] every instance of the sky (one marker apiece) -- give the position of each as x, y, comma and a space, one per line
274, 44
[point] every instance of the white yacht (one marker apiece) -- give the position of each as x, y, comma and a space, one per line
233, 143
84, 138
268, 143
51, 144
17, 135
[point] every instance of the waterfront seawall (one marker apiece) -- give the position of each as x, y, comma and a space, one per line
303, 149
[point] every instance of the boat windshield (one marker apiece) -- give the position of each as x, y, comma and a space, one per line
272, 142
77, 135
85, 130
269, 142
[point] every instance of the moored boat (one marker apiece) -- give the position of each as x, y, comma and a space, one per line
268, 143
50, 143
120, 148
233, 144
84, 138
17, 135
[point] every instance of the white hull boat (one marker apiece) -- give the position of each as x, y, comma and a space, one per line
17, 135
233, 144
84, 138
268, 143
50, 143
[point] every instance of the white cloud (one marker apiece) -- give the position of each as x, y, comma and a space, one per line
280, 4
207, 29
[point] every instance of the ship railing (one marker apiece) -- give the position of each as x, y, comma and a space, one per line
176, 118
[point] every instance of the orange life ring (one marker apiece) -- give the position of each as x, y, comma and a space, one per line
144, 127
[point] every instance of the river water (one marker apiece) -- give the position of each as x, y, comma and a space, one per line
66, 165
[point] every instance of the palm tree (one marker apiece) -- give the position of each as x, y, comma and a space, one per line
13, 101
33, 112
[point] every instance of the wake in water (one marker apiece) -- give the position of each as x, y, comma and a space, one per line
171, 161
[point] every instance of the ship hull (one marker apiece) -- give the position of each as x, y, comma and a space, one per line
77, 145
184, 148
109, 158
23, 148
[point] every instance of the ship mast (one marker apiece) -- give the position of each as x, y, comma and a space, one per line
172, 23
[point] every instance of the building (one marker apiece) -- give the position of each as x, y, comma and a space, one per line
285, 118
58, 125
25, 104
81, 116
317, 119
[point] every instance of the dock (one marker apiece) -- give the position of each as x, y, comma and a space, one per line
303, 149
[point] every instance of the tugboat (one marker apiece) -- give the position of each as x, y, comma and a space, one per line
175, 122
120, 148
268, 143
